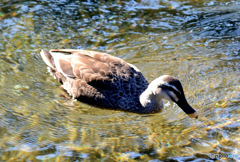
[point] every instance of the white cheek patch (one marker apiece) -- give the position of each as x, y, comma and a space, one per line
173, 96
166, 95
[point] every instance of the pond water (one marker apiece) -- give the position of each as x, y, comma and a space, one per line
197, 41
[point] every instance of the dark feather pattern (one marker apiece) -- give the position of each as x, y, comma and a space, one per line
106, 81
98, 78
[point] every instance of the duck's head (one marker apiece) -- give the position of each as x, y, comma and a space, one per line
169, 88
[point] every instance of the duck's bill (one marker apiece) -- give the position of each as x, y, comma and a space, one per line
183, 104
193, 115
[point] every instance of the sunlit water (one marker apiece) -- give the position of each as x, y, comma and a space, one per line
196, 41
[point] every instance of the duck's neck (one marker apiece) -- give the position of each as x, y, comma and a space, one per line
150, 102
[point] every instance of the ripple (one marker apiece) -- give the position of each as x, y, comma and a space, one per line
196, 41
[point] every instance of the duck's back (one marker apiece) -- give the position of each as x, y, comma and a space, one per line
97, 78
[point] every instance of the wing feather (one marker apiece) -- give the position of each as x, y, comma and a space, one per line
81, 67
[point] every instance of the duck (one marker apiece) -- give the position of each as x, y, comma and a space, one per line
102, 80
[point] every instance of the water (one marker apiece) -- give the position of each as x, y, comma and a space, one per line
196, 41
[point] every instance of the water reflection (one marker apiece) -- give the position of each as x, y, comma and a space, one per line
196, 41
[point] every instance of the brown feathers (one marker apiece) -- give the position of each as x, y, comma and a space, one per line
76, 68
106, 81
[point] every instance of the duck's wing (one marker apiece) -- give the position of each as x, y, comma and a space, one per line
76, 68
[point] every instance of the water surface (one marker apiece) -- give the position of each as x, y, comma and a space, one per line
196, 41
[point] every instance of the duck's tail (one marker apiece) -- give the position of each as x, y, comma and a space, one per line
47, 58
